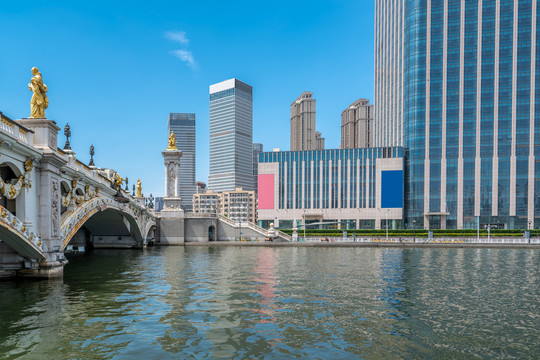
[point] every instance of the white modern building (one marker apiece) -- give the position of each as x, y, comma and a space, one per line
336, 188
231, 136
389, 47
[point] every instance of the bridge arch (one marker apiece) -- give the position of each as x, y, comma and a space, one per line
104, 219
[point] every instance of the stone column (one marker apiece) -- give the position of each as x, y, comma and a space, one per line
171, 222
45, 138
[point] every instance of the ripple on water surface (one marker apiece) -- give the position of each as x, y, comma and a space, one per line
278, 303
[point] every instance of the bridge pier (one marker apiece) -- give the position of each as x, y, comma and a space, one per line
45, 139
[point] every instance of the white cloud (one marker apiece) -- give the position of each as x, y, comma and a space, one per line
186, 56
177, 36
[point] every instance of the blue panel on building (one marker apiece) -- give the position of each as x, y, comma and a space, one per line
392, 189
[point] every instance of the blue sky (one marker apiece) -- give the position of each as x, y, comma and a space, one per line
116, 70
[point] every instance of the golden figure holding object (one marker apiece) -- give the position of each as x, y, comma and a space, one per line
39, 101
118, 181
172, 142
139, 188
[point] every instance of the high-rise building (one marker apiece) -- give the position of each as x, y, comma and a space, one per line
183, 126
389, 47
257, 149
357, 125
470, 95
231, 136
303, 134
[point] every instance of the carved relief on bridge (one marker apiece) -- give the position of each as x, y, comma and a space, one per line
55, 208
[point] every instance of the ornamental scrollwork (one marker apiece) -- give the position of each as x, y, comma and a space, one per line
12, 189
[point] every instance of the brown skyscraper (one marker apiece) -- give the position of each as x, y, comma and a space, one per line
357, 125
303, 134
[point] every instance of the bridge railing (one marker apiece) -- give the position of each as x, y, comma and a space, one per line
254, 227
16, 130
17, 226
192, 215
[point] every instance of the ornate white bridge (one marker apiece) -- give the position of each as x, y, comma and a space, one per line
49, 199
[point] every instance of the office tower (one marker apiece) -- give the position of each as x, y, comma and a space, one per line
303, 134
158, 204
470, 117
357, 125
389, 47
231, 136
257, 149
183, 126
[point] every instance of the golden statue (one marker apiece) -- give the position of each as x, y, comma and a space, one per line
118, 181
39, 101
139, 188
172, 142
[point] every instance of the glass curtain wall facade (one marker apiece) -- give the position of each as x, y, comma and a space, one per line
471, 128
336, 185
183, 126
231, 136
257, 149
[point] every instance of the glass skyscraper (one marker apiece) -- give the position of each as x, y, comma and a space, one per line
470, 122
231, 136
183, 126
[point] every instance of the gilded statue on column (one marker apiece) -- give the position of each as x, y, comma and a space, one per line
39, 101
139, 188
172, 142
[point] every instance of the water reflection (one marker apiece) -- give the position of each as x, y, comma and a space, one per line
263, 302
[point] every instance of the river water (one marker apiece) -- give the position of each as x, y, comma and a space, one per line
279, 303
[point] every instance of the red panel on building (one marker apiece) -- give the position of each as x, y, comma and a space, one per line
266, 191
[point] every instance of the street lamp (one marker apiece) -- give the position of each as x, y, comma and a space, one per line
304, 224
414, 230
387, 210
530, 223
488, 227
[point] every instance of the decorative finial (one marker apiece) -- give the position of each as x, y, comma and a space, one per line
151, 202
39, 101
67, 133
127, 189
92, 153
133, 189
172, 142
